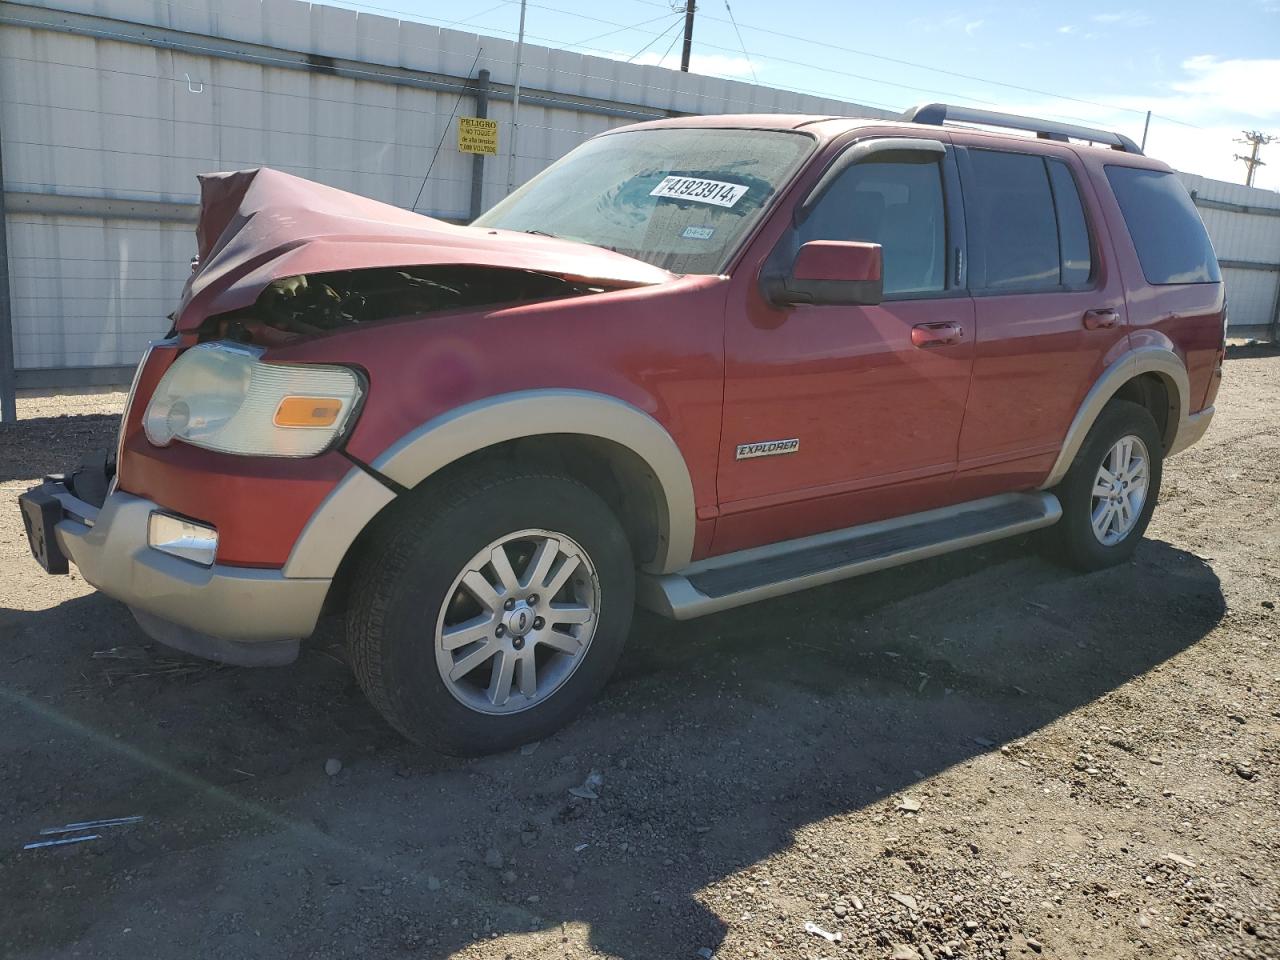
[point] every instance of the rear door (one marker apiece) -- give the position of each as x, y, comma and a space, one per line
1049, 308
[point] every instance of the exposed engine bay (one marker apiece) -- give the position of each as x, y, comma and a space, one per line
308, 305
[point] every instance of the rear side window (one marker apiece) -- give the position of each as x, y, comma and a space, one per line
1073, 232
1167, 232
1011, 215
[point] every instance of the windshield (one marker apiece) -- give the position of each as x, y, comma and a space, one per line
679, 198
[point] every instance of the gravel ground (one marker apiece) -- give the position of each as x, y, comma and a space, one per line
979, 756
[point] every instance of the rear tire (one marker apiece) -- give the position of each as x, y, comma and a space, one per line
490, 610
1111, 489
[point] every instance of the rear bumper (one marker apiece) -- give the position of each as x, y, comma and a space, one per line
1191, 430
211, 611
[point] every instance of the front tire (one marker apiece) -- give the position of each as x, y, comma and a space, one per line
491, 610
1110, 491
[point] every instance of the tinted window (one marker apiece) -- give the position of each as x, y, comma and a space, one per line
897, 205
1011, 216
1073, 233
1167, 232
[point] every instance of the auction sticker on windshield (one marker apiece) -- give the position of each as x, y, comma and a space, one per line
702, 191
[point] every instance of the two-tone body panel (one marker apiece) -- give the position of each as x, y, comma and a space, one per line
950, 390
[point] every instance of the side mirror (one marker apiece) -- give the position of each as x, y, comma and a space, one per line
831, 272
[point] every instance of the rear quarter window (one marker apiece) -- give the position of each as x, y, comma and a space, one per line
1167, 232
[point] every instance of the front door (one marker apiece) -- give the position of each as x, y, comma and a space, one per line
858, 408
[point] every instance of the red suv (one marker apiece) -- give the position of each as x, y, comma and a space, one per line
696, 363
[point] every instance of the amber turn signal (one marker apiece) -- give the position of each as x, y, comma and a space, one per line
308, 411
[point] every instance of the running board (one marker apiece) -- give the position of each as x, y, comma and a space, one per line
720, 583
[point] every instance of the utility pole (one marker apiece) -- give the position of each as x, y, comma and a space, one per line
8, 386
689, 8
1257, 140
515, 105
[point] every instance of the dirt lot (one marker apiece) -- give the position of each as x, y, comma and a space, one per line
981, 756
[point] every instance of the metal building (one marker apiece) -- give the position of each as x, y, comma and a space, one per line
1244, 223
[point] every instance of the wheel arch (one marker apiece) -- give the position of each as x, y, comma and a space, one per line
615, 448
1151, 376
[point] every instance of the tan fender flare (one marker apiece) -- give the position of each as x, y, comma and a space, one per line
339, 519
448, 438
512, 416
1164, 364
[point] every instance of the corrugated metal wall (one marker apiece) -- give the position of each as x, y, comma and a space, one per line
110, 108
1244, 223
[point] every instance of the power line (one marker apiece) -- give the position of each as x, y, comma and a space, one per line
825, 94
477, 16
734, 21
906, 63
609, 33
373, 75
674, 24
379, 76
418, 17
919, 66
445, 132
670, 46
950, 95
857, 52
713, 46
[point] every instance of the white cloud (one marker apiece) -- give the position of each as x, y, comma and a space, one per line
1218, 86
1067, 28
712, 64
950, 24
1126, 18
1197, 116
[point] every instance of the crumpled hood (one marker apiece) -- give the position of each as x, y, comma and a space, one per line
261, 225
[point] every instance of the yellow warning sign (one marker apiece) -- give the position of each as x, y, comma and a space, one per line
477, 136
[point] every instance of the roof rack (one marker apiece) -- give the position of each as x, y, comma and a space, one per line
939, 113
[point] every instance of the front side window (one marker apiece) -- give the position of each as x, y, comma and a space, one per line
681, 198
897, 205
1167, 232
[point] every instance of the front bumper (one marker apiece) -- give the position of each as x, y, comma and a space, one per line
221, 612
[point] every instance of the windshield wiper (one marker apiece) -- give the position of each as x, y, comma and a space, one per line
602, 246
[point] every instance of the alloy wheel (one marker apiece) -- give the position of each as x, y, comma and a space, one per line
517, 622
1120, 490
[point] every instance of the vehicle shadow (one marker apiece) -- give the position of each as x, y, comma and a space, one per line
718, 741
1253, 348
33, 447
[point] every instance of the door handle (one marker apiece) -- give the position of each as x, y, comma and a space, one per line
936, 334
1100, 319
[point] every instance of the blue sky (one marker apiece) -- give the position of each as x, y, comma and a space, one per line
1206, 71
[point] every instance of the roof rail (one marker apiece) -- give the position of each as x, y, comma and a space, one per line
939, 113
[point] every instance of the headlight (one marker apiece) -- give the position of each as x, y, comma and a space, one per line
221, 396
